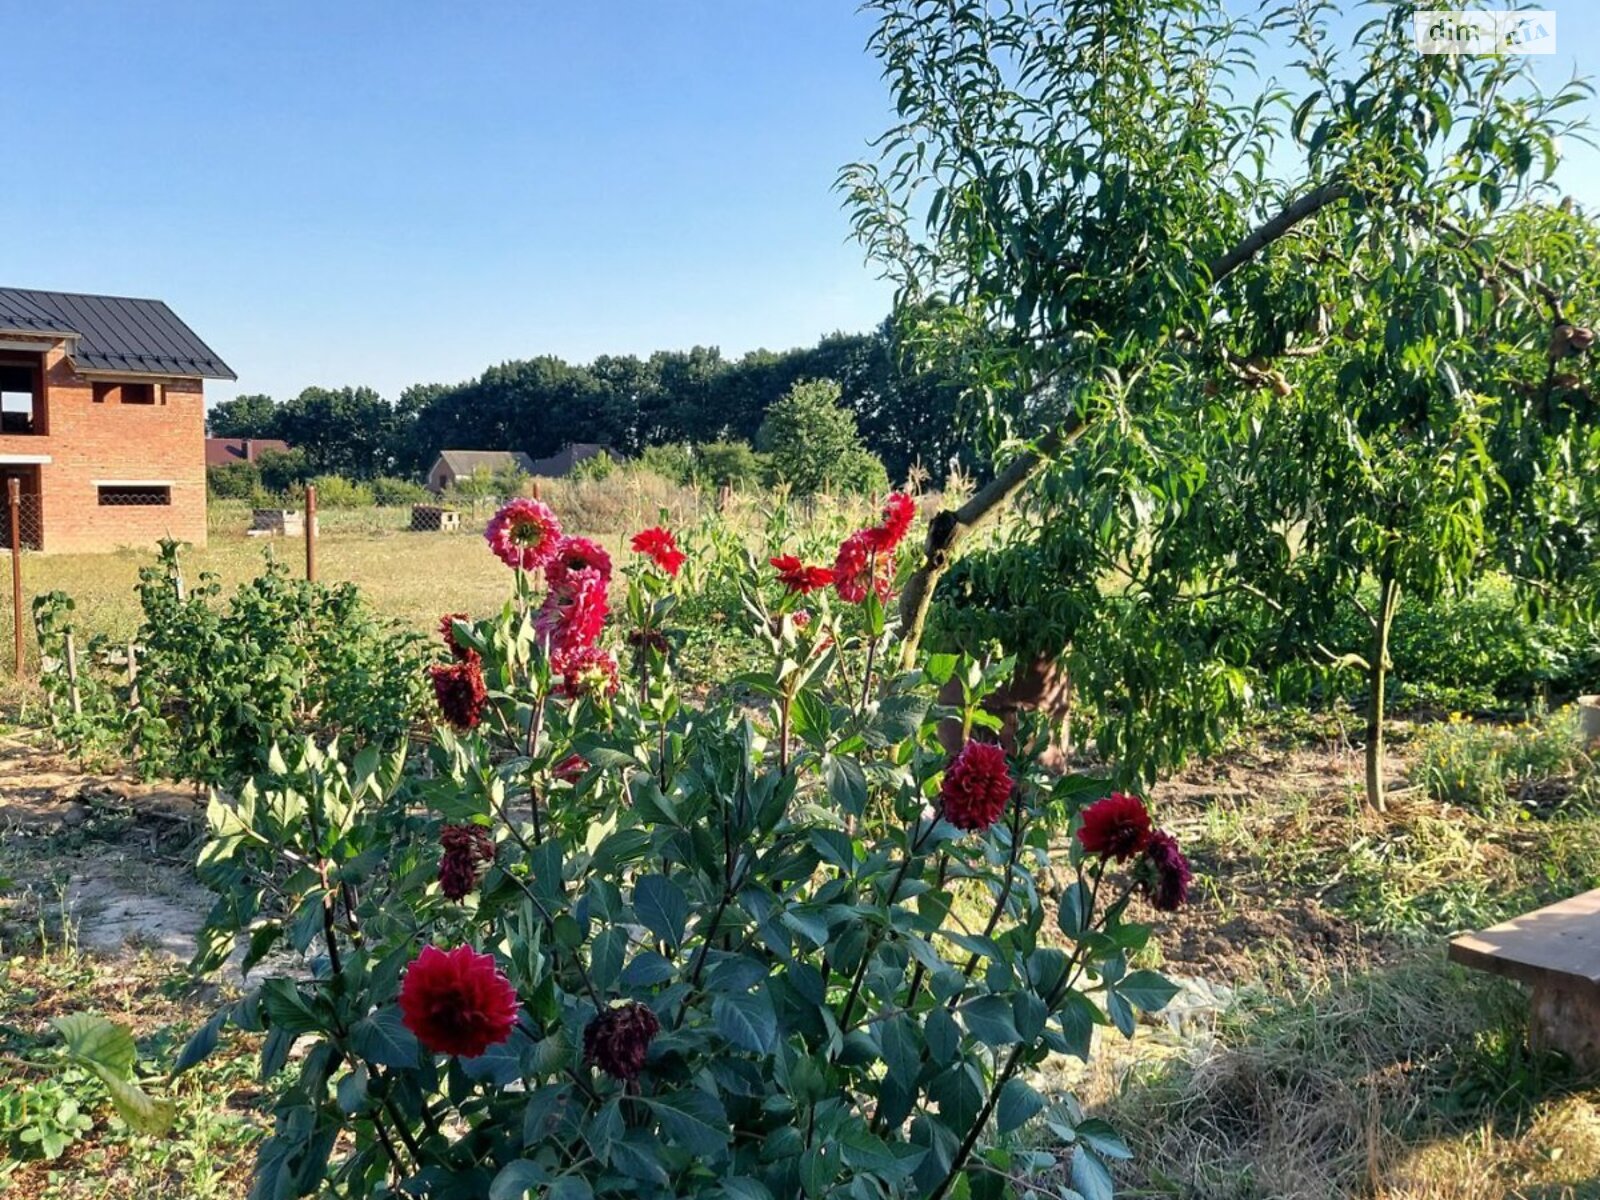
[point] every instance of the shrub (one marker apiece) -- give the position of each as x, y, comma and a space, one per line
733, 463
674, 461
813, 444
219, 683
596, 466
335, 491
233, 481
283, 470
603, 943
389, 492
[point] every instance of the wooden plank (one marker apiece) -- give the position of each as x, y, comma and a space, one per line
1562, 940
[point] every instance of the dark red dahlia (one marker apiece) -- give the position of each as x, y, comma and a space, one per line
976, 786
457, 1001
447, 630
1117, 827
859, 568
649, 639
467, 848
460, 691
575, 554
798, 577
524, 533
1165, 874
658, 544
618, 1039
571, 768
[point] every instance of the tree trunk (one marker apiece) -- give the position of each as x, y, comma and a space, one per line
1377, 680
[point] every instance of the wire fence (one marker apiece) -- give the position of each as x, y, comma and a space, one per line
29, 522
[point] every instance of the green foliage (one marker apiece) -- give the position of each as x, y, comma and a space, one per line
389, 492
335, 491
283, 470
247, 416
812, 443
777, 888
596, 466
41, 1117
218, 682
673, 460
1488, 767
233, 481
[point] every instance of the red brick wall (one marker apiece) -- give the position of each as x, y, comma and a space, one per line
112, 441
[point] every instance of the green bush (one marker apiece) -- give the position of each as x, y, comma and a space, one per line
596, 466
219, 682
389, 492
282, 470
813, 444
335, 491
674, 461
233, 481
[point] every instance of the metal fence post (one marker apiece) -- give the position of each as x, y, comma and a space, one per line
311, 531
14, 500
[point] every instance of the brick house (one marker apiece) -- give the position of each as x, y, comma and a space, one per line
102, 419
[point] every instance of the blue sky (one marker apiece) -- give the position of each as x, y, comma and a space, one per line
383, 193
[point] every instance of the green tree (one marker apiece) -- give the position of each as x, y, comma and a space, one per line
812, 441
343, 431
248, 416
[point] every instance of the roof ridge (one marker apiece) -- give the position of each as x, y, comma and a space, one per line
81, 295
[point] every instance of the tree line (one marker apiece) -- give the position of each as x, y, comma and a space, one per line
905, 415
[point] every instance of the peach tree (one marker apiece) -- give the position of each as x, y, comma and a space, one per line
596, 940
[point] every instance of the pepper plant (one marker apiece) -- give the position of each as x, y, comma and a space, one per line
598, 941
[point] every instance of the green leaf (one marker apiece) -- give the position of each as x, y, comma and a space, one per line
662, 908
989, 1019
96, 1042
605, 956
694, 1119
200, 1045
516, 1179
1147, 990
382, 1038
1019, 1104
747, 1020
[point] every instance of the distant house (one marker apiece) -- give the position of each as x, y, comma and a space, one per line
224, 452
102, 420
452, 466
558, 466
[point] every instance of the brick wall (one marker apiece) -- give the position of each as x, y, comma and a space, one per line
112, 441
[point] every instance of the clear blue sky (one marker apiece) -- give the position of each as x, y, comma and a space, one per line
383, 193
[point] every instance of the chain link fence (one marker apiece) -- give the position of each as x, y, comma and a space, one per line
29, 522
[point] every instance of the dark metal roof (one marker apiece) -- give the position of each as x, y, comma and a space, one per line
113, 333
465, 462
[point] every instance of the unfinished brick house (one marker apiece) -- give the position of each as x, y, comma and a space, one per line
102, 419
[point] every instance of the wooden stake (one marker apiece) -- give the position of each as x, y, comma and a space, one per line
311, 532
14, 498
72, 675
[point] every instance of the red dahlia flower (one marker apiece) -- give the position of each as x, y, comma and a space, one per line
1166, 874
899, 510
798, 577
586, 671
447, 630
661, 547
571, 618
618, 1039
466, 848
457, 1002
860, 568
976, 786
573, 555
460, 691
524, 533
1117, 827
571, 768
